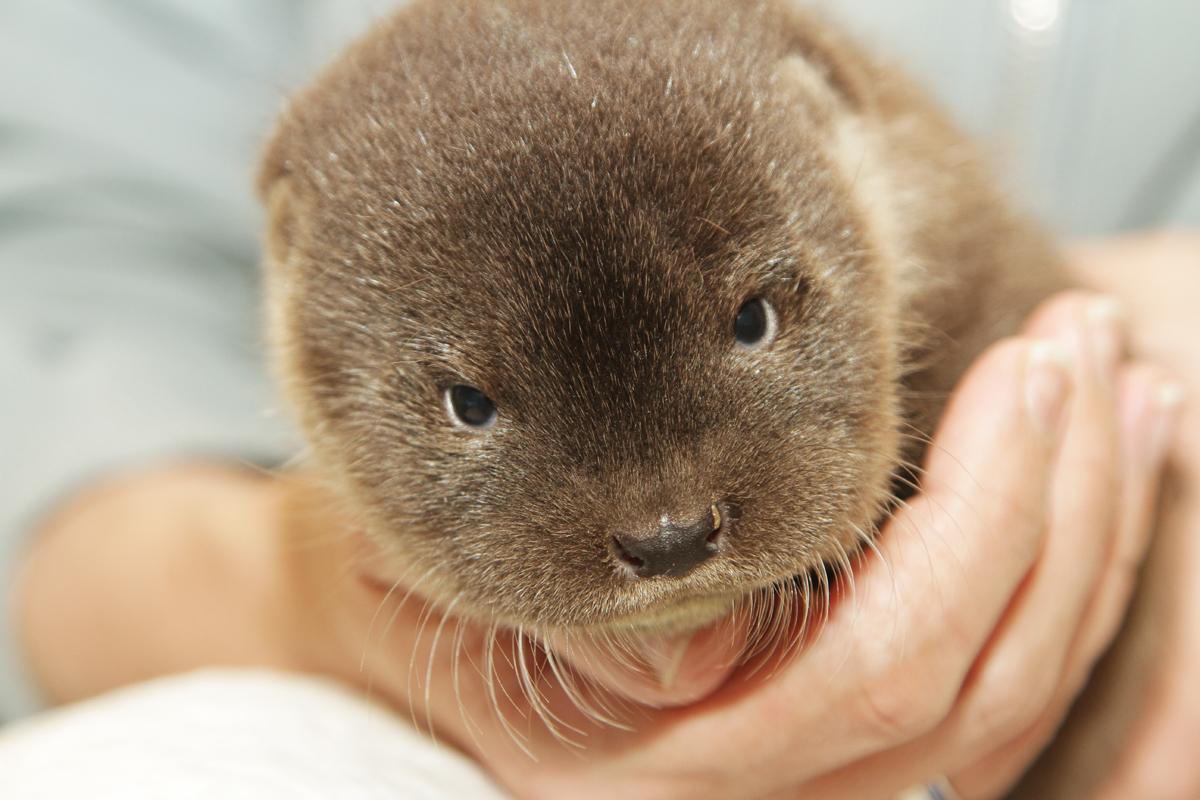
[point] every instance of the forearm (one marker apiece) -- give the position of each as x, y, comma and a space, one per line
150, 574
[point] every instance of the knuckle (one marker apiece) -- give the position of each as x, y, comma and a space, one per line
1010, 700
905, 698
1173, 238
957, 633
1127, 560
899, 708
1103, 630
1058, 310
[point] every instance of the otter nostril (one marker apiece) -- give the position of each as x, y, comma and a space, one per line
718, 524
626, 556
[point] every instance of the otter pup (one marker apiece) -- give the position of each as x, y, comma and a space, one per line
607, 315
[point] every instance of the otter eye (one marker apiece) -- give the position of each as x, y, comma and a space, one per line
754, 325
470, 407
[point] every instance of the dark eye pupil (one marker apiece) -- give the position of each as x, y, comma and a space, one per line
471, 406
750, 324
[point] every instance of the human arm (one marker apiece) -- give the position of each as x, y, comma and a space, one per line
128, 255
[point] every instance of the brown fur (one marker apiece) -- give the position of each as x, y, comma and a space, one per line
564, 203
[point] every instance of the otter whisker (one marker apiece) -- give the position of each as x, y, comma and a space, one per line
459, 648
768, 631
826, 598
622, 646
517, 738
447, 613
364, 667
427, 611
571, 689
379, 608
529, 684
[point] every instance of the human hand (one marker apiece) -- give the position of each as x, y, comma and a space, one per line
1003, 576
1157, 278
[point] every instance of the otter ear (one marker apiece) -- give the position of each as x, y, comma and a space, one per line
283, 223
826, 62
281, 193
277, 191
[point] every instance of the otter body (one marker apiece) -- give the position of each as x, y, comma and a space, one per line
609, 314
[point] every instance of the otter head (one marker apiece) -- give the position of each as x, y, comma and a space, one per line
586, 325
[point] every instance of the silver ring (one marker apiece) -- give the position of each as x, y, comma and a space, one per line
937, 789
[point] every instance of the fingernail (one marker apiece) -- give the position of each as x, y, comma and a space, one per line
1168, 400
1106, 334
1048, 385
665, 658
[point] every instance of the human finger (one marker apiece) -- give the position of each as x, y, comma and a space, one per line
1019, 672
1149, 403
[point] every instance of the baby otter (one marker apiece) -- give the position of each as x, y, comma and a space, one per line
616, 310
610, 314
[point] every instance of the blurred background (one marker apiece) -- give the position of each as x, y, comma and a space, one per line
129, 132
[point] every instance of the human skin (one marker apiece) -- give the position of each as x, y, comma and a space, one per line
1161, 293
179, 567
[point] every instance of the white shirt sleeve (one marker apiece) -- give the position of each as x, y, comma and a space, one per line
237, 736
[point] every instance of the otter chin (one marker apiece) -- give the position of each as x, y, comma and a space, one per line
606, 314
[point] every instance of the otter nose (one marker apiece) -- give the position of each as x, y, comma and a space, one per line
675, 549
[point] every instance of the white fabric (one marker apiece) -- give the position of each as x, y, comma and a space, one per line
234, 736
